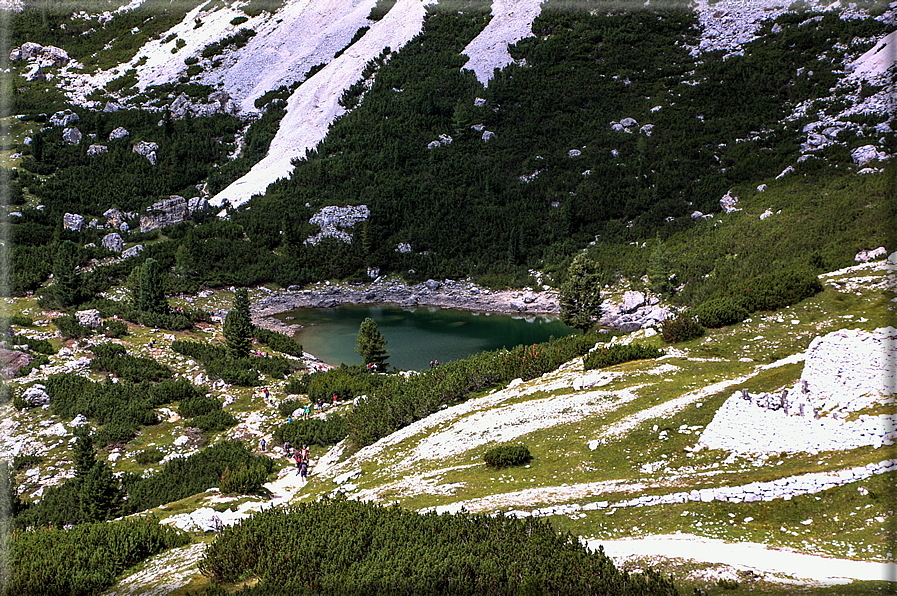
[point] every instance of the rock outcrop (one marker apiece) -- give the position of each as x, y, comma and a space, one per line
113, 242
845, 372
147, 150
64, 118
46, 55
72, 136
95, 150
11, 361
73, 222
170, 211
333, 221
90, 318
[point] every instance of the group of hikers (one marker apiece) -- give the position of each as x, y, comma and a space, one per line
299, 455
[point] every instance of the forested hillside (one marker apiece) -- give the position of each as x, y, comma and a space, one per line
608, 130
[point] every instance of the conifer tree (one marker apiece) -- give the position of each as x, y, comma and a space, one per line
371, 345
84, 454
66, 288
659, 271
238, 326
152, 288
100, 495
580, 295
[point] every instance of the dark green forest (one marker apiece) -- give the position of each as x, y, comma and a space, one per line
490, 210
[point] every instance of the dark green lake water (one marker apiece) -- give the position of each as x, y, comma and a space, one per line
416, 336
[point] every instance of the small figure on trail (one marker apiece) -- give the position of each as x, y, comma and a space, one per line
262, 445
297, 458
303, 470
334, 399
320, 403
289, 418
266, 395
307, 410
303, 454
286, 448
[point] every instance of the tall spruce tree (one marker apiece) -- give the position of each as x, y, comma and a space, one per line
67, 286
371, 345
83, 452
238, 326
100, 495
152, 288
580, 295
659, 271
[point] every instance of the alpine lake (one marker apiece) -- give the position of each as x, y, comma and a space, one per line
416, 336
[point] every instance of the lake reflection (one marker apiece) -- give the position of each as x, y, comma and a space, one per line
415, 336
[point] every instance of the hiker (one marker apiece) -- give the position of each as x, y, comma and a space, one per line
262, 445
307, 410
289, 418
320, 403
303, 454
303, 470
266, 395
334, 400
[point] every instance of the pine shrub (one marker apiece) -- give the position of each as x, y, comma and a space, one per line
683, 327
720, 312
611, 355
314, 431
507, 455
348, 547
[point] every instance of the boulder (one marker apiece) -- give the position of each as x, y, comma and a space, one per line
170, 211
118, 133
332, 220
529, 298
64, 118
432, 284
488, 136
867, 153
147, 150
864, 256
728, 203
11, 361
113, 242
95, 150
91, 317
647, 130
632, 301
628, 122
132, 252
36, 396
766, 214
50, 55
71, 135
73, 222
114, 217
112, 107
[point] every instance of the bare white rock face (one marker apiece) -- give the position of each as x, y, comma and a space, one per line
845, 371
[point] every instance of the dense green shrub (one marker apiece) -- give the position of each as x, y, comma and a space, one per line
181, 478
287, 407
682, 327
214, 421
71, 328
719, 312
611, 355
149, 456
238, 39
244, 479
357, 548
278, 341
113, 328
776, 290
313, 431
507, 455
113, 359
85, 560
236, 371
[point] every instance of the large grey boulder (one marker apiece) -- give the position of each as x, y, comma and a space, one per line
112, 107
147, 150
169, 211
36, 396
729, 202
71, 135
113, 242
132, 252
118, 133
91, 317
867, 153
73, 222
49, 55
632, 301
